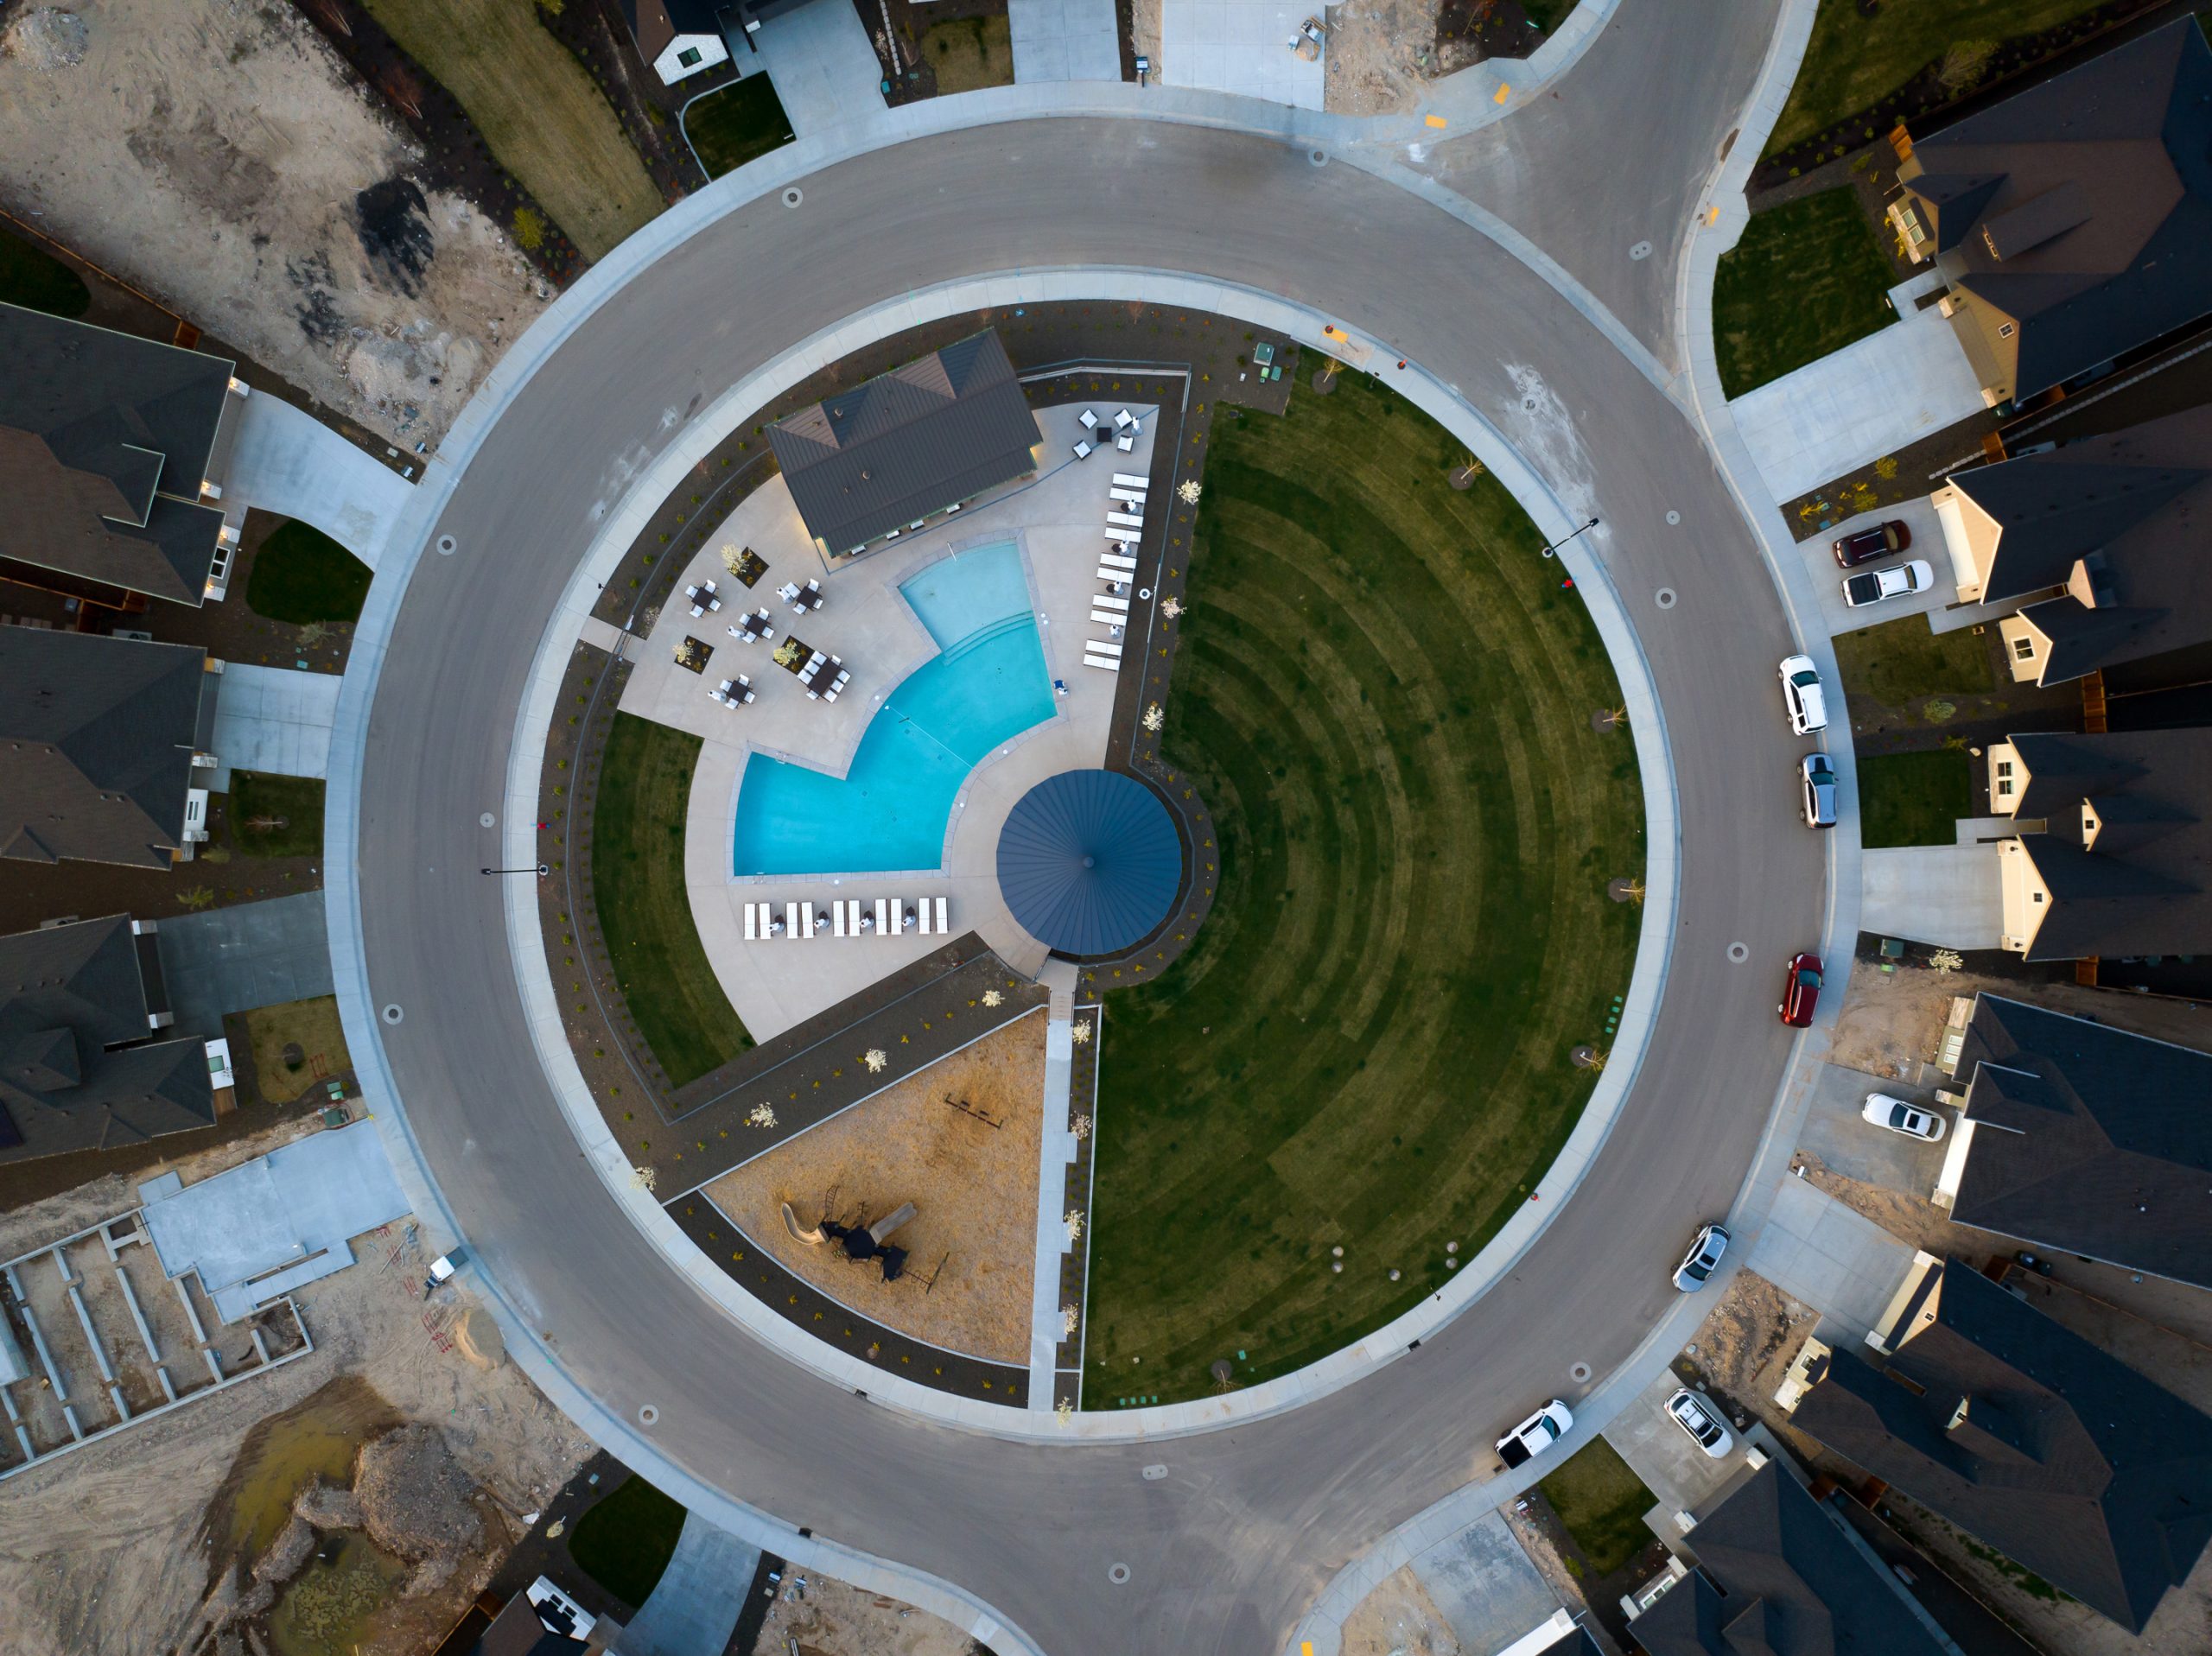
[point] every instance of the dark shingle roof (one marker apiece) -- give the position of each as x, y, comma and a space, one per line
80, 1068
97, 737
2082, 208
1780, 1575
2144, 885
104, 441
2088, 1139
907, 443
2033, 1440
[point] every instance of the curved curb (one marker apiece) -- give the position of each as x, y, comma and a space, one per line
526, 944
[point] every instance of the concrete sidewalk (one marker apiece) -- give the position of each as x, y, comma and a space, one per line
1065, 39
236, 959
288, 462
1815, 1249
823, 68
276, 720
694, 1610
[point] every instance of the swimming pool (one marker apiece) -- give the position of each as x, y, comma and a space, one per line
887, 814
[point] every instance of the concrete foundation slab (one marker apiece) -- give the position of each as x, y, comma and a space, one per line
1242, 47
1065, 39
694, 1609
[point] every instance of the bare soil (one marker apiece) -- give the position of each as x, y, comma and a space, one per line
218, 155
110, 1550
972, 1246
838, 1619
1399, 1619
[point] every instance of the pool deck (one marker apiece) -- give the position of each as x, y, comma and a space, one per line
1058, 520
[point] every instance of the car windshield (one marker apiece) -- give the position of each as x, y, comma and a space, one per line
1823, 778
1808, 677
1806, 977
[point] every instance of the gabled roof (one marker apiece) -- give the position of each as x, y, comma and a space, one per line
97, 737
80, 1068
1779, 1575
2087, 1140
2143, 885
938, 431
2080, 209
104, 439
2033, 1441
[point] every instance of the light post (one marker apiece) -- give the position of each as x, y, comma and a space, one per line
540, 871
1564, 539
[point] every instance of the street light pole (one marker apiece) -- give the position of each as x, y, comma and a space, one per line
1564, 539
540, 871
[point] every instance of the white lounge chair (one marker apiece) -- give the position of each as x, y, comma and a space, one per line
837, 918
1107, 619
806, 918
1120, 559
943, 929
898, 916
1108, 601
1125, 520
1131, 480
1135, 497
882, 918
752, 922
1106, 661
1124, 537
790, 921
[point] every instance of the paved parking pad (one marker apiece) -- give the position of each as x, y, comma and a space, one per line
236, 959
695, 1607
1860, 1149
273, 719
1815, 1249
1486, 1586
1682, 1475
1065, 39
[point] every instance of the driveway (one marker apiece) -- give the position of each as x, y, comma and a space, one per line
274, 720
288, 462
1681, 1475
1948, 896
1815, 1249
250, 954
823, 68
1486, 1586
1241, 46
1849, 1144
1065, 39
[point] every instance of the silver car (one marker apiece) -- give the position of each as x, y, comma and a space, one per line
1816, 778
1704, 1257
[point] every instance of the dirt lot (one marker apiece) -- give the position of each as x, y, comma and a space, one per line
836, 1619
972, 1246
215, 153
110, 1550
1399, 1619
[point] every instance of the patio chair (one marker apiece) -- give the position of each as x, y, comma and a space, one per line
1124, 420
837, 918
1107, 619
1110, 664
1090, 420
1126, 443
1131, 480
790, 921
752, 922
1083, 450
943, 929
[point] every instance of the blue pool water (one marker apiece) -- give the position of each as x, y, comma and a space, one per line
888, 813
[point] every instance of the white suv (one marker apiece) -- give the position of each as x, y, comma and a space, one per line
1702, 1421
1803, 695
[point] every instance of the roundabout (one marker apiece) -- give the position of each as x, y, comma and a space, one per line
1036, 1535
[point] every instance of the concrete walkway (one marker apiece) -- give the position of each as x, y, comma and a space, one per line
694, 1608
1056, 1150
1946, 895
823, 66
276, 720
288, 462
1065, 39
247, 956
1834, 1259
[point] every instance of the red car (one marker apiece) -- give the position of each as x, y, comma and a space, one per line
1868, 544
1801, 991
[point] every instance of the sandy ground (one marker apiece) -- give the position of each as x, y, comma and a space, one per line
975, 1184
103, 1551
835, 1619
212, 153
1748, 1340
1399, 1619
1380, 53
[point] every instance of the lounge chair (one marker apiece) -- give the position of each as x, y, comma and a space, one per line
943, 929
1105, 600
790, 920
837, 918
1125, 520
1130, 480
1120, 558
1133, 498
806, 918
1107, 619
1112, 664
752, 922
882, 919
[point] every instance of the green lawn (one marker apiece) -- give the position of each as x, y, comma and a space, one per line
302, 576
1602, 1503
626, 1541
1807, 278
287, 808
1385, 699
34, 278
737, 124
1913, 799
1901, 662
637, 868
968, 53
1853, 61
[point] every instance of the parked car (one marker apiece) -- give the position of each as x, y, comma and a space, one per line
1898, 580
1703, 1259
1801, 991
1702, 1421
1868, 544
1535, 1434
1808, 703
1898, 1116
1817, 775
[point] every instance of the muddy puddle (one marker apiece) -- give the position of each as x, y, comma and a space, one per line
318, 1438
327, 1608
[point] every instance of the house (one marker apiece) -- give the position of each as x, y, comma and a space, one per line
873, 462
83, 1062
2101, 541
542, 1620
1781, 1574
2082, 1138
2110, 851
104, 747
112, 449
2027, 1437
2073, 221
678, 38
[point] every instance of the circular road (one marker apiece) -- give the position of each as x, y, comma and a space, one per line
1224, 1552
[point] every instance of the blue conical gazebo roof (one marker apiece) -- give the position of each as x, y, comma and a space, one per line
1089, 861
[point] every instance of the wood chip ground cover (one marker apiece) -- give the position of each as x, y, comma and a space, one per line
1385, 698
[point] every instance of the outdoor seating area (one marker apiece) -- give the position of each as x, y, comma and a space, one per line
702, 598
802, 599
824, 675
751, 628
1117, 568
733, 692
1126, 429
893, 917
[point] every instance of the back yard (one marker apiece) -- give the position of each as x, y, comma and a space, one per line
1386, 700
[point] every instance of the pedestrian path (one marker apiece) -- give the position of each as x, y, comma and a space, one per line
1065, 39
274, 720
694, 1609
1056, 1152
824, 69
288, 462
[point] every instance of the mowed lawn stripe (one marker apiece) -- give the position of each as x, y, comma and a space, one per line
545, 120
1384, 698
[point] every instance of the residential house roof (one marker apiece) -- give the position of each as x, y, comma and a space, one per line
2079, 212
1780, 1575
104, 439
2126, 851
936, 432
2119, 521
97, 738
2033, 1440
2087, 1140
79, 1068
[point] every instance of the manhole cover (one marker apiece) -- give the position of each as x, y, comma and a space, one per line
1739, 953
1578, 1373
793, 196
446, 545
487, 818
392, 1015
1666, 598
1319, 157
1118, 1574
648, 1414
1641, 251
1673, 518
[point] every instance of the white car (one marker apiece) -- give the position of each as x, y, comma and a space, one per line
1535, 1434
1702, 1421
1703, 1259
1803, 695
1898, 580
1898, 1116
